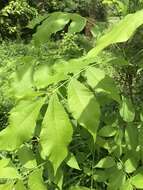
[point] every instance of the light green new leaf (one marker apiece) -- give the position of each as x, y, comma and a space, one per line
36, 180
72, 162
56, 133
22, 122
94, 76
7, 170
78, 23
137, 180
54, 23
106, 162
84, 106
127, 110
121, 32
27, 157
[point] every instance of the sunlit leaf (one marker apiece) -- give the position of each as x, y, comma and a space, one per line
56, 133
84, 106
22, 122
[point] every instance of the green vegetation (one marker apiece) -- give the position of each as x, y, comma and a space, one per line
71, 106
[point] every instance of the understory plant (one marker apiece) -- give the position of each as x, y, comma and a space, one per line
73, 126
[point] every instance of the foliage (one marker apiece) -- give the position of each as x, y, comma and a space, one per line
14, 16
75, 123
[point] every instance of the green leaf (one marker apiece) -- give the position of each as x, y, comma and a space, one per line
127, 186
56, 133
54, 23
100, 176
108, 87
78, 23
83, 105
7, 186
7, 170
37, 20
79, 188
131, 137
45, 75
22, 122
127, 111
58, 179
36, 180
106, 162
19, 186
94, 76
22, 82
107, 131
131, 165
72, 162
117, 178
137, 180
121, 32
27, 157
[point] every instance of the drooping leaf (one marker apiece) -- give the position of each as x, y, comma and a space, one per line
56, 133
27, 157
84, 106
72, 162
36, 180
22, 122
78, 23
7, 170
137, 180
106, 162
127, 111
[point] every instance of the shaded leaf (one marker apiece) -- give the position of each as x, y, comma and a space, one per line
27, 157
